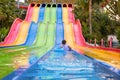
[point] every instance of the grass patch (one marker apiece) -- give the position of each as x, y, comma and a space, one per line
5, 70
7, 63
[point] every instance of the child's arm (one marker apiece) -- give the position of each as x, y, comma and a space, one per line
61, 46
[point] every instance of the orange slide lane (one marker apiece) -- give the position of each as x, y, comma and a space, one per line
109, 57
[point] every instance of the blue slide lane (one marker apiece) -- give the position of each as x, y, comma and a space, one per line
59, 13
41, 15
34, 27
31, 34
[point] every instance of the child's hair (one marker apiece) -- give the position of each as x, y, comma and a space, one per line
63, 41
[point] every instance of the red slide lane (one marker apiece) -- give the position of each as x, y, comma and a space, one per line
70, 14
76, 26
29, 13
15, 27
78, 34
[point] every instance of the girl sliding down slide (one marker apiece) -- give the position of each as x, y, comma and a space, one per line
68, 51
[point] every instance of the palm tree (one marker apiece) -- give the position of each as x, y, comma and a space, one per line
91, 2
90, 15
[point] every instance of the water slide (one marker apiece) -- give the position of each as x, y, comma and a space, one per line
32, 33
53, 65
15, 28
26, 25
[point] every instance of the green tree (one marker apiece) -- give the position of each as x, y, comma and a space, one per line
101, 23
113, 8
8, 13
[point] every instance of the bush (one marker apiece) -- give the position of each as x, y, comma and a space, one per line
3, 33
117, 33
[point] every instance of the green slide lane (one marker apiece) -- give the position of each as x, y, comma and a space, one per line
50, 41
41, 36
47, 14
53, 15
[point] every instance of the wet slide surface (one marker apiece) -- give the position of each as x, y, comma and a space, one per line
55, 65
46, 60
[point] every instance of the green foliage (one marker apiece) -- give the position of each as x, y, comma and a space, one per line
114, 9
8, 13
3, 33
117, 32
102, 24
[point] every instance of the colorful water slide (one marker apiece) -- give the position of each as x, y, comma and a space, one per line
34, 27
53, 66
33, 31
21, 38
15, 28
40, 33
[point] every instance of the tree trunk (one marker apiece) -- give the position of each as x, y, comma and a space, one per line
90, 16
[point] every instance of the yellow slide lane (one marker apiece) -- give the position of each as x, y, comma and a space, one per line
35, 14
112, 58
65, 14
69, 36
23, 32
